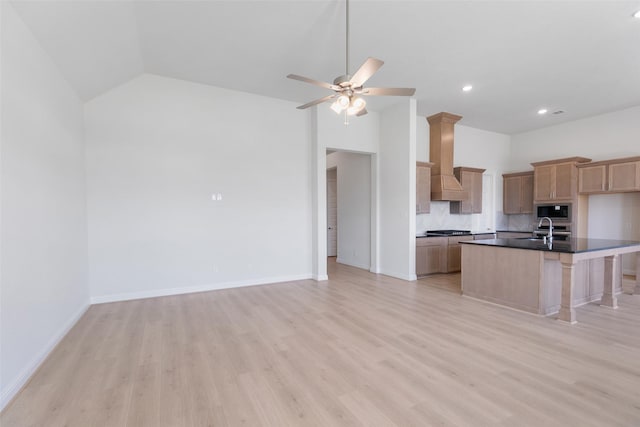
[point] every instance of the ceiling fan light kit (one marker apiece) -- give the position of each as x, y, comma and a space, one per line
348, 88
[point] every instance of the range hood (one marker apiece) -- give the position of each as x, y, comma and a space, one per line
444, 185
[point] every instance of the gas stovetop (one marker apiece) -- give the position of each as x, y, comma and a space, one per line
447, 232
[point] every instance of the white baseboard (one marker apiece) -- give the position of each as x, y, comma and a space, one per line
193, 289
629, 272
408, 277
13, 388
353, 264
320, 277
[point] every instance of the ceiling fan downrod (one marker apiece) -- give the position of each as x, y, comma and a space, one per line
347, 42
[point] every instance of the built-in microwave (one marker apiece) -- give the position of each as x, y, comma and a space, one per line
554, 211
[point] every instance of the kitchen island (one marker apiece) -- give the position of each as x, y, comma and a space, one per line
541, 278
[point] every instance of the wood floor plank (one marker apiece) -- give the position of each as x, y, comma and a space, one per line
358, 349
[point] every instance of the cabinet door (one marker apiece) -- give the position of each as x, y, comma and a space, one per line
428, 260
624, 176
565, 181
454, 253
511, 195
466, 180
592, 179
526, 201
423, 189
454, 261
543, 178
476, 192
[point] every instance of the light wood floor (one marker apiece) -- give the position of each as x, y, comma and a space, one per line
359, 349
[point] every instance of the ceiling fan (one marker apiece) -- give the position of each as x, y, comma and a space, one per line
349, 88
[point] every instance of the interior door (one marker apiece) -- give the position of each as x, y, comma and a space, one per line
332, 213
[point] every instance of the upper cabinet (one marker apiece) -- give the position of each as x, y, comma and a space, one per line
423, 187
556, 180
471, 181
517, 194
609, 176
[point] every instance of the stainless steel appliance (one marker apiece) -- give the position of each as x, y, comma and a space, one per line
561, 230
555, 212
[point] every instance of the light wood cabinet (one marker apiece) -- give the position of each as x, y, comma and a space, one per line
517, 194
556, 180
624, 176
609, 176
592, 179
471, 181
423, 187
431, 255
454, 253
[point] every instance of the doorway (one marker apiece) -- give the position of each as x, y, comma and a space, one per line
349, 209
332, 212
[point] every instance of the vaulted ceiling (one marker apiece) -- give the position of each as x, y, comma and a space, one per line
581, 57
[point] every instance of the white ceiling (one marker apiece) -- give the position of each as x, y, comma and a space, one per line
582, 57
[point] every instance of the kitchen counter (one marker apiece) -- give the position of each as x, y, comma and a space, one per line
574, 245
529, 275
471, 233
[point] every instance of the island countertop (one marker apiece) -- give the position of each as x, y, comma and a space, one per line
529, 275
573, 245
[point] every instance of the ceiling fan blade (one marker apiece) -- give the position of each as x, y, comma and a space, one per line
317, 101
314, 82
388, 91
366, 70
362, 112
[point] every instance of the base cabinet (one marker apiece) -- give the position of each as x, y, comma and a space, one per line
430, 255
439, 254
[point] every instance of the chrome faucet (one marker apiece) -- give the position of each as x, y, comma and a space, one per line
548, 237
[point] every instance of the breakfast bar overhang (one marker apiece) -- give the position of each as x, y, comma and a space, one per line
543, 278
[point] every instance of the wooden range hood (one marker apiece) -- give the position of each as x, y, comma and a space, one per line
444, 185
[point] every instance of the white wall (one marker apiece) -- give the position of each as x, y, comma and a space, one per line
354, 207
397, 177
43, 264
472, 148
157, 149
608, 136
328, 131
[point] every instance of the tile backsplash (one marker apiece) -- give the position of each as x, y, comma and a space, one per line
441, 219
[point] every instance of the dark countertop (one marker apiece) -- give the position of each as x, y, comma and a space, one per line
472, 233
573, 245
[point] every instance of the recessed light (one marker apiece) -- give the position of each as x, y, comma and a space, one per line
467, 88
637, 14
542, 111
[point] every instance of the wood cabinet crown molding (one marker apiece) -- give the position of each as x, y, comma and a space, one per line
444, 117
565, 160
610, 161
515, 174
468, 169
